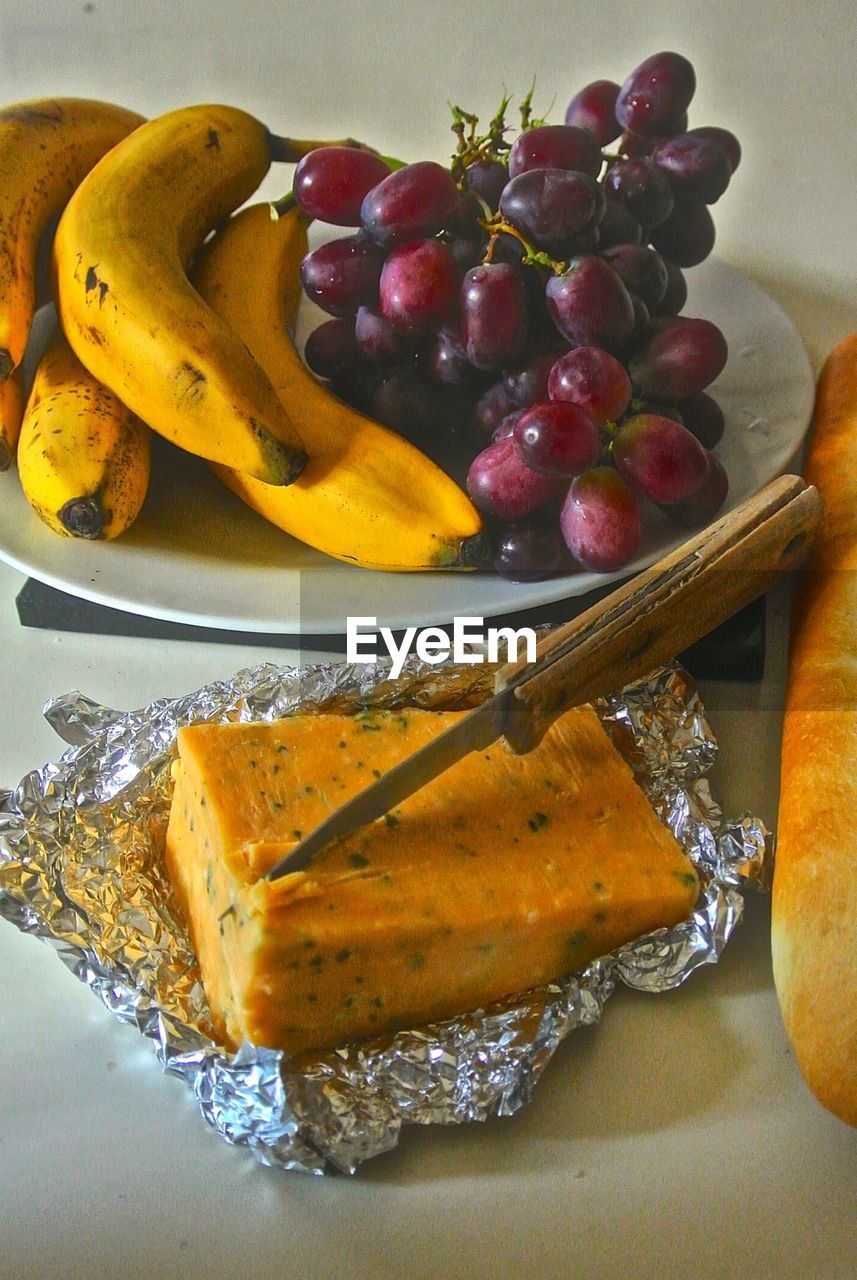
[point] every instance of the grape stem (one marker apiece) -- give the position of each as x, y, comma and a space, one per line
531, 257
472, 146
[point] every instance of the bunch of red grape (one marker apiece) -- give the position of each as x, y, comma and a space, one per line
517, 314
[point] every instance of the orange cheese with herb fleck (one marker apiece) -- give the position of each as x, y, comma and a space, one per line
503, 873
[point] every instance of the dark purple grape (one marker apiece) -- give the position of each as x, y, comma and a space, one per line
676, 292
529, 550
695, 165
703, 505
642, 271
412, 203
659, 458
555, 146
464, 223
448, 361
687, 236
586, 241
378, 340
594, 108
661, 408
493, 315
528, 383
551, 205
633, 147
558, 438
332, 351
594, 380
656, 95
330, 183
703, 416
501, 483
487, 178
642, 321
590, 305
506, 427
680, 359
642, 188
342, 275
490, 409
407, 404
601, 520
618, 226
419, 285
724, 139
467, 253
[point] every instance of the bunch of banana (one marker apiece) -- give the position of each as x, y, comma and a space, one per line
121, 253
367, 496
46, 148
83, 458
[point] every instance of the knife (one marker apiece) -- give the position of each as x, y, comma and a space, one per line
638, 627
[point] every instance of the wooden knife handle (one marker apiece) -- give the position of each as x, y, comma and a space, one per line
652, 617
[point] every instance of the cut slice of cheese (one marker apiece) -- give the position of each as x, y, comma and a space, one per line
503, 873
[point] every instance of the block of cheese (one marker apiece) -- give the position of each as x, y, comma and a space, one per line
503, 873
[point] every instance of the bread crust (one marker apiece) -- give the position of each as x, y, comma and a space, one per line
814, 921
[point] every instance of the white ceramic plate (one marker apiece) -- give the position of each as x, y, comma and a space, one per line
198, 555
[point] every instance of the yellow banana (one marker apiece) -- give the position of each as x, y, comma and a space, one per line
121, 254
83, 458
367, 496
11, 410
46, 148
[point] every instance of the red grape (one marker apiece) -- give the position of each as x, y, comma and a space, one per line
594, 108
680, 359
493, 315
448, 361
659, 458
724, 139
412, 203
529, 550
641, 269
696, 165
642, 188
590, 305
703, 416
551, 205
501, 483
703, 505
601, 520
656, 94
331, 182
555, 146
593, 379
676, 292
558, 438
418, 286
378, 340
342, 275
686, 237
331, 350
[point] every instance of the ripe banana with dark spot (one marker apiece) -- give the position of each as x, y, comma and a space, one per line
11, 411
83, 458
367, 496
121, 253
46, 148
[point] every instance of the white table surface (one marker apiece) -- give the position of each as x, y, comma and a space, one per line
676, 1139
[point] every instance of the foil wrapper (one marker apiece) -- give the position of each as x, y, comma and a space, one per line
81, 866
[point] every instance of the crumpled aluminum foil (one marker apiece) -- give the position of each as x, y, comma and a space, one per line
81, 844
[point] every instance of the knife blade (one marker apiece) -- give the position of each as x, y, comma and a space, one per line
635, 629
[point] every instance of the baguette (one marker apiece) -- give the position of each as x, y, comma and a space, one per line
814, 922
